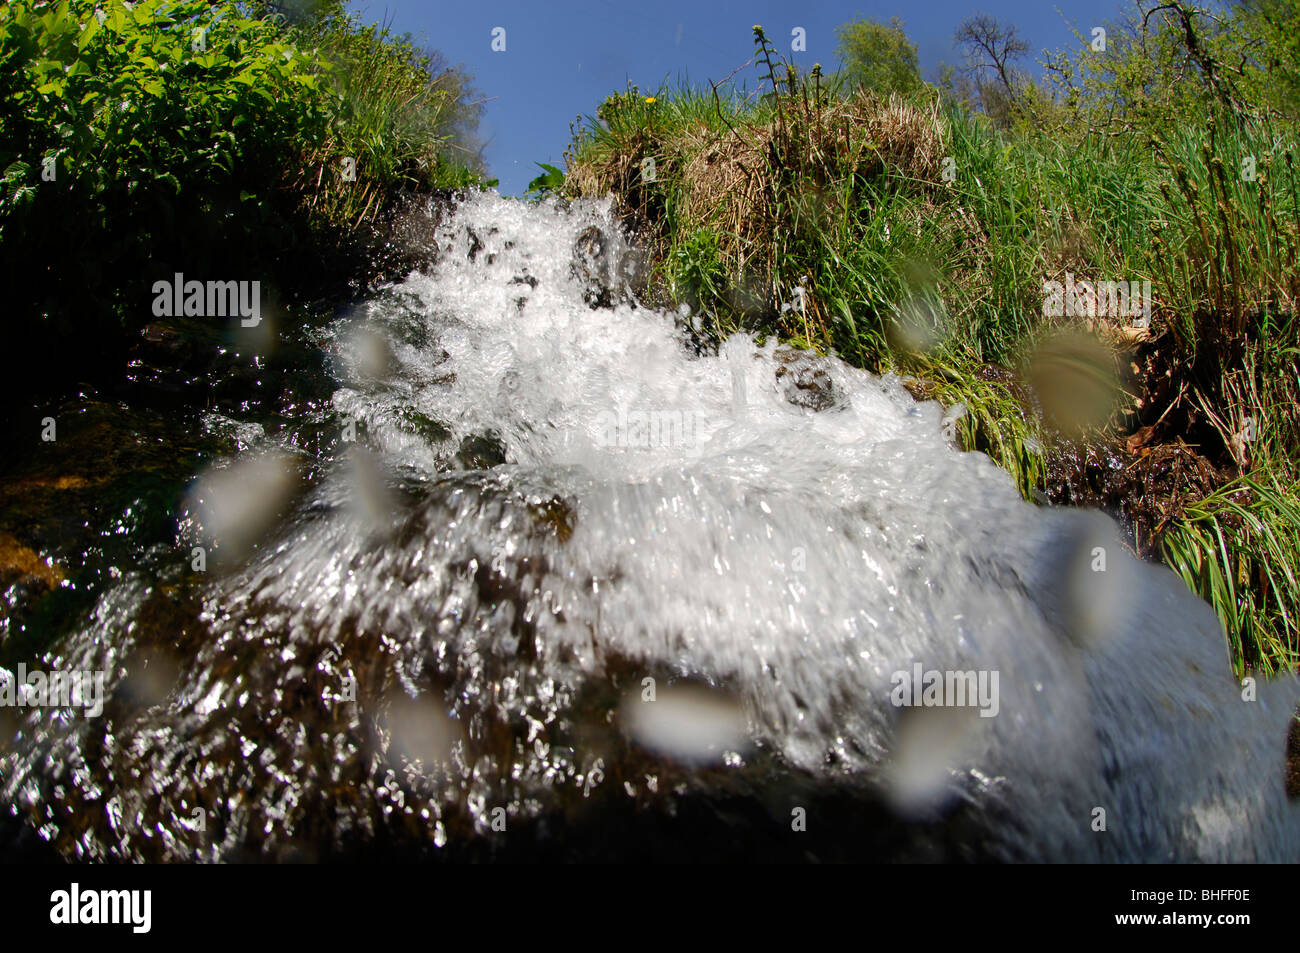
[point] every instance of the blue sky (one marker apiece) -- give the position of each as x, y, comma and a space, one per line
562, 57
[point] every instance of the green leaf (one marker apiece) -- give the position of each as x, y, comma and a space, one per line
551, 181
88, 34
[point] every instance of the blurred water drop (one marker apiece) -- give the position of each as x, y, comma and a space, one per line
372, 502
1097, 582
151, 675
234, 503
369, 354
689, 723
919, 325
420, 730
932, 744
262, 337
1073, 375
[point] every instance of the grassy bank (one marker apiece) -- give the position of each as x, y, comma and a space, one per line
920, 231
218, 140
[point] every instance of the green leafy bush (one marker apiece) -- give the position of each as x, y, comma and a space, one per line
142, 139
130, 135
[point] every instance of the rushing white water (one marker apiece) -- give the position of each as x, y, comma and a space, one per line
548, 502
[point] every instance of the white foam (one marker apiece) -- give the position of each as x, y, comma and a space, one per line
796, 558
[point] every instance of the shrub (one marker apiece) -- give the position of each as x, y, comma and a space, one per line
141, 139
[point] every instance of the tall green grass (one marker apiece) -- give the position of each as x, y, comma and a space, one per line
1239, 549
403, 120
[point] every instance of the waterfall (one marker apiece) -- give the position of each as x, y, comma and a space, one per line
553, 556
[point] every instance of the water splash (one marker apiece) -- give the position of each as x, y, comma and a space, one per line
450, 630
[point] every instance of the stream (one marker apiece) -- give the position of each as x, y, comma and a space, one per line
533, 573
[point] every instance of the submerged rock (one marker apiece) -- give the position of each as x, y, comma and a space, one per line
591, 267
481, 451
606, 269
804, 378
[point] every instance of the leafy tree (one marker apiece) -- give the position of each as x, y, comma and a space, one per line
1269, 33
878, 56
1164, 62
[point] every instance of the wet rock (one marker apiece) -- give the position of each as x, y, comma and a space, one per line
557, 514
205, 363
804, 379
590, 265
156, 333
608, 271
333, 745
425, 426
481, 451
475, 244
18, 561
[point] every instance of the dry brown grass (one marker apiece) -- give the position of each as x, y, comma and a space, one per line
750, 181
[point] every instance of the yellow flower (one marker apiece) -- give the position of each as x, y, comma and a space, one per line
649, 99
